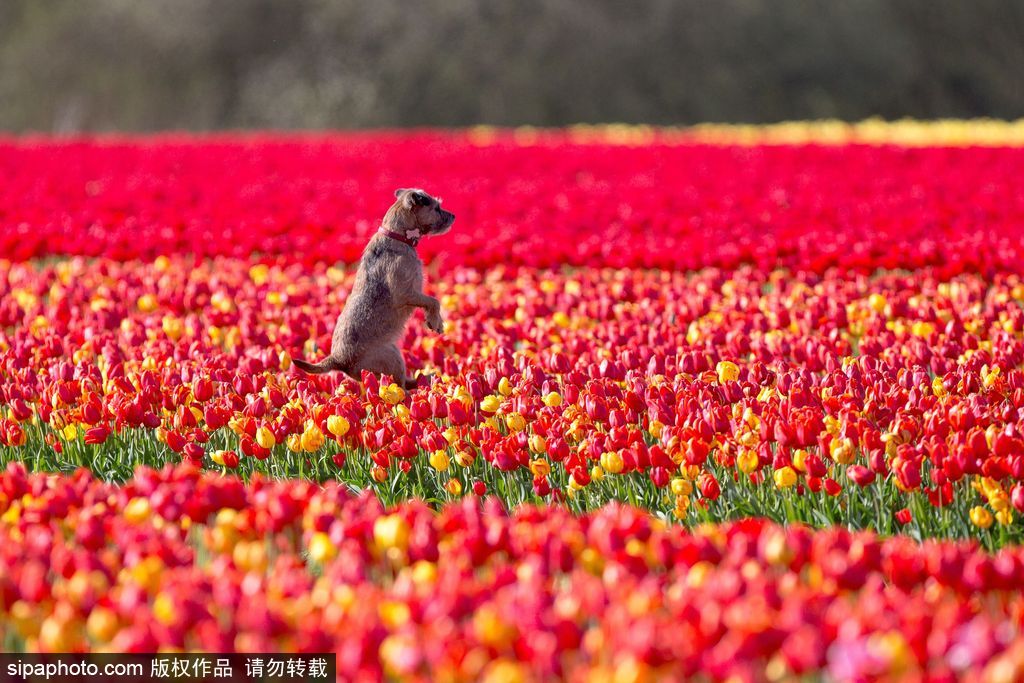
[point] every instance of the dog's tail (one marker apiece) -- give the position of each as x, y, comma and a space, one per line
329, 364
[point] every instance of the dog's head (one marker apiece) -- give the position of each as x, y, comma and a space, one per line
415, 211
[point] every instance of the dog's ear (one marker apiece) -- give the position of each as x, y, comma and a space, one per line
398, 192
414, 198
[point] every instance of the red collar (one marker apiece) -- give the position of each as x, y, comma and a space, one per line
411, 241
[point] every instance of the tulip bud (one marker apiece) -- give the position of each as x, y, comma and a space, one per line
552, 399
540, 467
1017, 497
611, 462
515, 422
265, 437
439, 460
708, 486
747, 461
229, 459
312, 438
860, 475
337, 425
321, 549
981, 517
785, 477
727, 371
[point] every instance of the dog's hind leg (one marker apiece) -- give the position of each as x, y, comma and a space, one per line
384, 360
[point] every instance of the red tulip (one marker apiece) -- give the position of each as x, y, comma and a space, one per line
860, 475
708, 486
96, 435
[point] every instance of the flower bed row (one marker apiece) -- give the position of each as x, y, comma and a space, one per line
180, 559
891, 402
536, 200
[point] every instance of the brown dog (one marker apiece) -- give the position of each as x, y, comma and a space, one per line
388, 288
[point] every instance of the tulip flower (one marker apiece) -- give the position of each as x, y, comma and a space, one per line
265, 438
708, 485
321, 549
392, 394
727, 371
439, 461
552, 399
312, 438
337, 425
391, 531
785, 477
860, 475
611, 462
981, 517
93, 436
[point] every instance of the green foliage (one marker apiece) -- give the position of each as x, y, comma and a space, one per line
69, 65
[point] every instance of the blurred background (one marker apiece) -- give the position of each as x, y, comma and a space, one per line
139, 65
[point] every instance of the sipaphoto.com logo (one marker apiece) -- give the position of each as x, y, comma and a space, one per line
180, 667
71, 668
61, 668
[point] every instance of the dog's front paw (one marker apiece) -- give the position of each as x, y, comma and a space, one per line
435, 323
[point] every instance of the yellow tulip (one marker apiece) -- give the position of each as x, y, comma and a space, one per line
392, 394
337, 425
981, 517
799, 460
391, 531
612, 462
540, 467
312, 438
439, 460
137, 510
842, 451
164, 609
321, 549
147, 303
727, 371
681, 487
265, 437
102, 624
515, 422
747, 460
259, 273
172, 327
785, 477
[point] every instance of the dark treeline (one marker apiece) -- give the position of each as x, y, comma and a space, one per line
70, 65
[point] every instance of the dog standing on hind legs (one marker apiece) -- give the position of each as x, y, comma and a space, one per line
387, 290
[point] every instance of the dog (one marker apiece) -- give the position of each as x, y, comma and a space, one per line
388, 288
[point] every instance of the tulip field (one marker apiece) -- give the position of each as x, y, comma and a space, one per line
724, 404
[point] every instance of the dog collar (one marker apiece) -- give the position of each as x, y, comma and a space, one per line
412, 237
